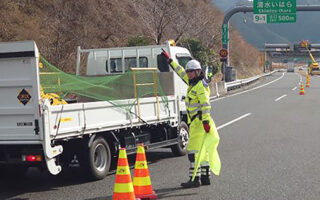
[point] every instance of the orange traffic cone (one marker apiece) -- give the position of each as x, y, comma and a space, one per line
141, 180
301, 89
308, 83
123, 188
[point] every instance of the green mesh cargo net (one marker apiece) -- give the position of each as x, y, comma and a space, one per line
112, 88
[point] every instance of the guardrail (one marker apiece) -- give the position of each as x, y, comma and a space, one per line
239, 83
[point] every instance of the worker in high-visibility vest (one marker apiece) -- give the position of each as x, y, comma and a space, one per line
199, 119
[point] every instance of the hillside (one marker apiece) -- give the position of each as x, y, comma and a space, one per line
59, 26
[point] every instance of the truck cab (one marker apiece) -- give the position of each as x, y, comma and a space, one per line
112, 61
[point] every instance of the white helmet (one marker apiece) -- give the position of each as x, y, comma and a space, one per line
193, 65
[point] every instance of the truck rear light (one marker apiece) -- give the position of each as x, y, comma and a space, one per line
31, 158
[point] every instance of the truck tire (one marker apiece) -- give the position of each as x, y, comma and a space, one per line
180, 149
99, 158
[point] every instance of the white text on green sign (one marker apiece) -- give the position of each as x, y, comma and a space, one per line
274, 6
274, 18
225, 35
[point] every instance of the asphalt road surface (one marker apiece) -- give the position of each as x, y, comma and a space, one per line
269, 149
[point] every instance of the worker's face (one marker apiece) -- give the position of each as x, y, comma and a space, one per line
192, 74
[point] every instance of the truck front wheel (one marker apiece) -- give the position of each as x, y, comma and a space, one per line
180, 149
99, 158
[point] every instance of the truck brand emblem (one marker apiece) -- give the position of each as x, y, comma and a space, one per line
24, 97
74, 162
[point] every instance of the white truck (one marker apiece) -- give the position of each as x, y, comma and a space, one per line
119, 60
290, 67
84, 135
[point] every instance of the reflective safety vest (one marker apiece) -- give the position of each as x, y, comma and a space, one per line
198, 96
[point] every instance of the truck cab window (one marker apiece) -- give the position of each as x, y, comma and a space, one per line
129, 63
182, 59
143, 62
115, 65
132, 62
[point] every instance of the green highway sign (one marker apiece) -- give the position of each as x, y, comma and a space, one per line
274, 18
274, 6
267, 63
225, 32
274, 11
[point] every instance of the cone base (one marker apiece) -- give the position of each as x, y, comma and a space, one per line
128, 196
301, 93
147, 196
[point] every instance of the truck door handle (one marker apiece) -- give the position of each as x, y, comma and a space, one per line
36, 128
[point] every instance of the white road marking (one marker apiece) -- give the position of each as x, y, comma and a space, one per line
233, 121
294, 88
250, 89
280, 97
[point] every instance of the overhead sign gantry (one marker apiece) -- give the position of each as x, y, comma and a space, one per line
244, 9
287, 52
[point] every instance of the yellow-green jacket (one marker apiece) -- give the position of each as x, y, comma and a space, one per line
207, 143
197, 99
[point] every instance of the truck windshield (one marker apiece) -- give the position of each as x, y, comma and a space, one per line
183, 60
116, 64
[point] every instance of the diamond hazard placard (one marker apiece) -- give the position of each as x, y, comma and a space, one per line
24, 97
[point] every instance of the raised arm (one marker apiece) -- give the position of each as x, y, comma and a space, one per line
177, 68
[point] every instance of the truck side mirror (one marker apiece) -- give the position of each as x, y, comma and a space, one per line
162, 62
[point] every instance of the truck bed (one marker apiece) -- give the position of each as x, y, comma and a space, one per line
74, 120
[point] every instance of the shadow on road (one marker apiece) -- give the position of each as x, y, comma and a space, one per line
162, 194
167, 192
36, 181
152, 157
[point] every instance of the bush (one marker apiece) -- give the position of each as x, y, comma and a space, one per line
138, 41
205, 55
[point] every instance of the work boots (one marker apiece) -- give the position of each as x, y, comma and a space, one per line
205, 174
205, 180
191, 184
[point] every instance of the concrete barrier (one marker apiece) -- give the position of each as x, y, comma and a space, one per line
217, 89
213, 89
221, 88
